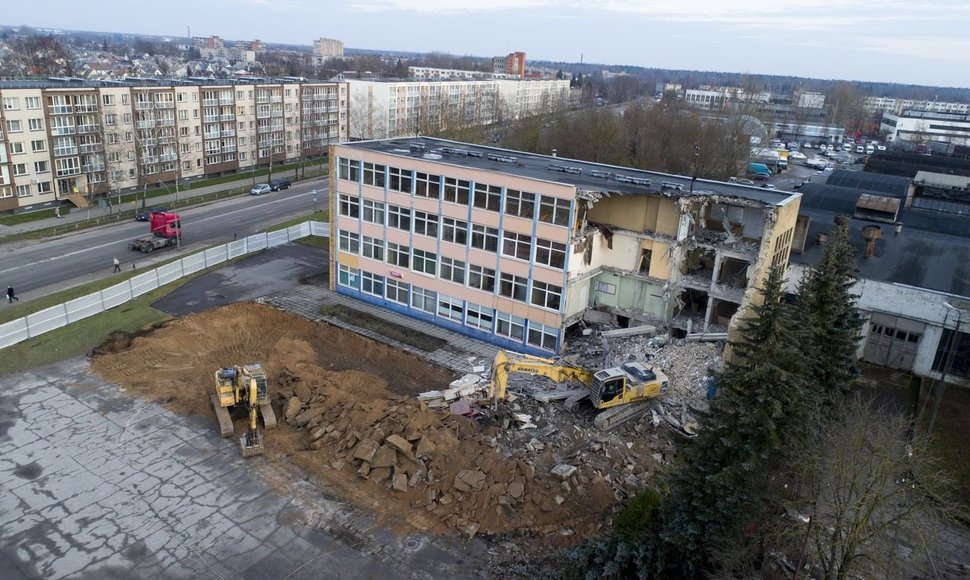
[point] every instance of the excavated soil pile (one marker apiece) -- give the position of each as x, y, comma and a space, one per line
349, 417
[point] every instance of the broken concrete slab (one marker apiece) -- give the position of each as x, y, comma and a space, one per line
401, 444
386, 456
564, 471
293, 406
632, 331
558, 395
366, 450
469, 380
425, 448
399, 482
460, 407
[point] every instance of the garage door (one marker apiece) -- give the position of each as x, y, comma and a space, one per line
893, 341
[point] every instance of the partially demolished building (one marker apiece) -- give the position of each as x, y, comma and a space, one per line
517, 248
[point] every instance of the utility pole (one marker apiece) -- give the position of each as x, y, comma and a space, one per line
693, 176
947, 365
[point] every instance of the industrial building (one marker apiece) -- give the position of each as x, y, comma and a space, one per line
926, 127
70, 139
516, 248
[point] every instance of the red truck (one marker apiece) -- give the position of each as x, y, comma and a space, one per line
165, 229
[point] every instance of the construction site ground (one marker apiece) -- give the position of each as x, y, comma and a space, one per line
360, 476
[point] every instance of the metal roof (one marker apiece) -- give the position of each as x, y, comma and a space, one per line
583, 175
873, 182
941, 179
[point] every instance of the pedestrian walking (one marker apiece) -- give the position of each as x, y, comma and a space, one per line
57, 211
11, 295
117, 265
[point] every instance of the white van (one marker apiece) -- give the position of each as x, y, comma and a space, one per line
860, 149
870, 149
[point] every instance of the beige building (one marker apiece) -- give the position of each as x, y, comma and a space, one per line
325, 48
72, 140
517, 248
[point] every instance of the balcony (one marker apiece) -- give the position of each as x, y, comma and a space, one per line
62, 151
168, 140
144, 105
92, 148
228, 117
166, 122
227, 101
229, 149
210, 119
149, 160
62, 130
167, 157
144, 124
86, 108
213, 135
60, 109
229, 133
68, 171
164, 104
88, 128
276, 99
92, 168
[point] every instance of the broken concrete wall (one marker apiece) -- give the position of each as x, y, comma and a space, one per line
636, 213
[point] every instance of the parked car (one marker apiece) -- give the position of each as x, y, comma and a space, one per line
260, 189
144, 215
760, 176
742, 181
279, 184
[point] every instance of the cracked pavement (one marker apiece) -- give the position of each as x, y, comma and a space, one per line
97, 484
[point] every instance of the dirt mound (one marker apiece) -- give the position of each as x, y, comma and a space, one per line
117, 341
349, 417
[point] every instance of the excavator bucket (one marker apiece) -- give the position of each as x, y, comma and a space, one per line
251, 444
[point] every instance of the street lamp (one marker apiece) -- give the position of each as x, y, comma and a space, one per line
947, 364
693, 176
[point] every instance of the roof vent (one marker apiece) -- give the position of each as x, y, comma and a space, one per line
870, 234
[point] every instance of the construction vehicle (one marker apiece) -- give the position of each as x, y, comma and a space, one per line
243, 387
619, 393
164, 229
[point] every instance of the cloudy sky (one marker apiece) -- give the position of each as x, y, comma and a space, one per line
907, 41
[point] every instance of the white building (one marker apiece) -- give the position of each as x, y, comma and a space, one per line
926, 127
877, 104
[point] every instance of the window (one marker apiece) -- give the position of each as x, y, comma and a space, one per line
479, 317
454, 231
41, 167
108, 99
124, 98
32, 102
110, 119
518, 245
126, 118
512, 286
398, 255
453, 270
373, 248
484, 238
13, 126
44, 187
399, 217
129, 137
349, 206
38, 145
35, 124
456, 190
543, 336
349, 277
510, 326
20, 169
23, 190
426, 224
426, 262
372, 284
399, 179
481, 277
546, 295
16, 148
373, 174
553, 210
11, 103
423, 300
348, 169
397, 291
373, 212
349, 242
450, 308
183, 115
427, 185
488, 197
520, 203
550, 253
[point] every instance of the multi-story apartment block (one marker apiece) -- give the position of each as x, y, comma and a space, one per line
897, 106
515, 248
326, 48
68, 140
393, 108
512, 64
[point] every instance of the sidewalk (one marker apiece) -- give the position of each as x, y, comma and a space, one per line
79, 215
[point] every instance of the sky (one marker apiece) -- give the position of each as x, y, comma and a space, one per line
923, 42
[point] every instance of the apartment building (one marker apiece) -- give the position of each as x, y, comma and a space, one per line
516, 248
393, 108
893, 105
327, 48
69, 140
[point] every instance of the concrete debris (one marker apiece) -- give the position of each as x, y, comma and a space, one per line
564, 471
558, 395
293, 407
631, 331
460, 407
469, 380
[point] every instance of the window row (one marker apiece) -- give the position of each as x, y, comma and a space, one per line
453, 270
450, 308
523, 204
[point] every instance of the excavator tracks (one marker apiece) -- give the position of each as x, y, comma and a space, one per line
615, 416
222, 414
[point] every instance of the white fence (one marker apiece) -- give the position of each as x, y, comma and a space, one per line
63, 314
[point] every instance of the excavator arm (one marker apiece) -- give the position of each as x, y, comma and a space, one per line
506, 363
252, 442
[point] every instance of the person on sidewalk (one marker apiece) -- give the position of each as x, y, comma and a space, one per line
117, 265
57, 211
11, 295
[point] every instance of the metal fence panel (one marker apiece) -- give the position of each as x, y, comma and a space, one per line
143, 283
83, 307
236, 248
278, 238
193, 263
298, 231
169, 272
215, 256
320, 229
13, 332
256, 242
46, 320
114, 295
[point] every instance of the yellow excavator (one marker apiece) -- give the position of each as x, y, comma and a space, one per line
620, 393
241, 387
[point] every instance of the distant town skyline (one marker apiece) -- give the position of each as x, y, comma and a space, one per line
922, 43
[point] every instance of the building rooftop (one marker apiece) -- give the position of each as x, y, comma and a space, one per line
80, 83
590, 179
942, 180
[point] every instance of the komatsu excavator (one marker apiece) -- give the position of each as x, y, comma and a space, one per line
620, 393
246, 387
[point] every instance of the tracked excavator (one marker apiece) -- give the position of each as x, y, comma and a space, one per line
243, 387
619, 393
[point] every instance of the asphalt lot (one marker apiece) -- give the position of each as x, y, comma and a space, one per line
97, 484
